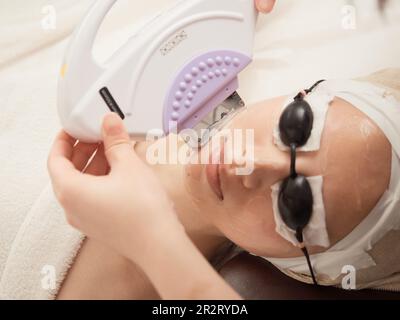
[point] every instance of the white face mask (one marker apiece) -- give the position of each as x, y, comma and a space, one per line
315, 233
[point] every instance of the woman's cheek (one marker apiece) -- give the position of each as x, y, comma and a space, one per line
193, 183
248, 223
199, 192
258, 212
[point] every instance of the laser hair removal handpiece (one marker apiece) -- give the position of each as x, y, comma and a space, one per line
166, 78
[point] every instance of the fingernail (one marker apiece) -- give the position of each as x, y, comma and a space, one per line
113, 124
264, 6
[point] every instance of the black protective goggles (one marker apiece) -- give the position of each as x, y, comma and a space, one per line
295, 199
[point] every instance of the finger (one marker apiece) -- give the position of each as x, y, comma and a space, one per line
59, 163
62, 148
67, 141
117, 144
82, 153
265, 6
99, 165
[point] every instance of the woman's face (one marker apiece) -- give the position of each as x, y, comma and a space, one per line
354, 160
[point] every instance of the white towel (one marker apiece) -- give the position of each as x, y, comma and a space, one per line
41, 253
295, 47
33, 231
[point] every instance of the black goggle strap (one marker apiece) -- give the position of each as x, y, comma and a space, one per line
299, 236
314, 86
301, 95
305, 252
293, 173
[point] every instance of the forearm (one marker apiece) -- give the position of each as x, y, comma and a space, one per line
99, 272
179, 271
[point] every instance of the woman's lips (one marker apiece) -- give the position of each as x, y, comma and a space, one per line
213, 178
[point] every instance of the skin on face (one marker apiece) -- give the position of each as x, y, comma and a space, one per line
354, 160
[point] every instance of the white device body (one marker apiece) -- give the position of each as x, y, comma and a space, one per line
140, 73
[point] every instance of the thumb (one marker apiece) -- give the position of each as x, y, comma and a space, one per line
265, 6
117, 144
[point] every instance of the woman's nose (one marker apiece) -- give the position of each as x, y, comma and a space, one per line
269, 167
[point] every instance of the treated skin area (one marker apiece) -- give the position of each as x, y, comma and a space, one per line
354, 159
